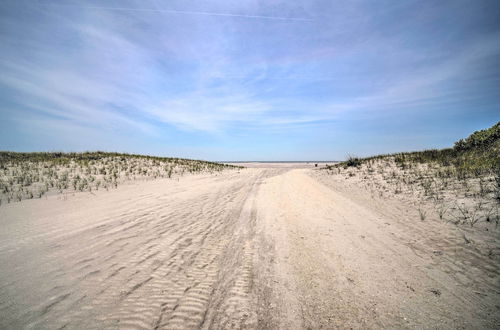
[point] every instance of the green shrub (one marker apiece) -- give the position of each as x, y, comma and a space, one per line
353, 162
482, 139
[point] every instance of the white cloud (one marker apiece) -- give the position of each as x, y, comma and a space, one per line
136, 70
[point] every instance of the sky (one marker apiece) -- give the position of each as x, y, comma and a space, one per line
248, 79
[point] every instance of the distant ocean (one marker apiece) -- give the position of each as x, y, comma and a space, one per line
280, 161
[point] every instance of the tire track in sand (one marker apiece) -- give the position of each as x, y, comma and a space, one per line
151, 263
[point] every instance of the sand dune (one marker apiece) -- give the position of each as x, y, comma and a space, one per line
271, 247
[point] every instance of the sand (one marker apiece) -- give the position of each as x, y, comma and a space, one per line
267, 247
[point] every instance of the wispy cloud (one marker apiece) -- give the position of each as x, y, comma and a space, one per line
182, 12
168, 70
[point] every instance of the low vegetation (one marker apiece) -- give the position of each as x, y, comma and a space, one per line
33, 175
459, 184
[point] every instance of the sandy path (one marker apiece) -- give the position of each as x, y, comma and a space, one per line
263, 248
346, 265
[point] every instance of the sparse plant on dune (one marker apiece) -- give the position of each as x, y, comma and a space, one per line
497, 215
469, 214
490, 213
352, 161
442, 209
496, 187
422, 213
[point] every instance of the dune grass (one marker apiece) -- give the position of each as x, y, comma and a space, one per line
461, 184
33, 175
477, 155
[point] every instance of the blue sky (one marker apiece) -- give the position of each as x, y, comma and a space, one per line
248, 79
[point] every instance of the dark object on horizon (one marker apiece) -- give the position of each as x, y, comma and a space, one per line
315, 165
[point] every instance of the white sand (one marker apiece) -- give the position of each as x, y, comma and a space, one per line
270, 247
